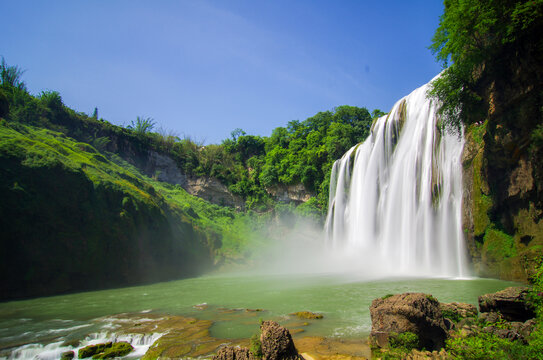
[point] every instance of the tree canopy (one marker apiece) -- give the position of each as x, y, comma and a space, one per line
477, 38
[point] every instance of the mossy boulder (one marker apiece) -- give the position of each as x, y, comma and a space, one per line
67, 355
92, 350
415, 313
106, 351
512, 303
118, 349
307, 315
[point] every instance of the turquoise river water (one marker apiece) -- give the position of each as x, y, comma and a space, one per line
343, 300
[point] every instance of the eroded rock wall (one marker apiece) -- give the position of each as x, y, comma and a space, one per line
503, 173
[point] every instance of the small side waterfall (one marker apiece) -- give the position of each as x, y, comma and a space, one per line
396, 199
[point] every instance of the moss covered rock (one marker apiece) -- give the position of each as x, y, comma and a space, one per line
92, 350
307, 315
118, 349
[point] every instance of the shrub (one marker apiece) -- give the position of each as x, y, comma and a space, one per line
255, 346
405, 341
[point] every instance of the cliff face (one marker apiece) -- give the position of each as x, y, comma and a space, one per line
503, 173
72, 220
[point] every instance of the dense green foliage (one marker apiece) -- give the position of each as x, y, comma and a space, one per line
483, 345
481, 40
303, 152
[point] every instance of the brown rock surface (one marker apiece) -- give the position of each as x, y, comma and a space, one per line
276, 342
234, 353
414, 312
461, 310
512, 303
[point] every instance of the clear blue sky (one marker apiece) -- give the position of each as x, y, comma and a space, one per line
204, 68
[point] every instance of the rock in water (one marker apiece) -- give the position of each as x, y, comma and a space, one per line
414, 312
67, 355
512, 303
277, 343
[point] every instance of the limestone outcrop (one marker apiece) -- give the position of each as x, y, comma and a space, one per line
512, 303
417, 313
275, 344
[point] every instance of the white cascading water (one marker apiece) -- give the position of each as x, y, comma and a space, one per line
396, 199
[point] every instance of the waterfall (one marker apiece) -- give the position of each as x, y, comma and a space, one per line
396, 199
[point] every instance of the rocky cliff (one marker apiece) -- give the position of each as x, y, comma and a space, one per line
503, 173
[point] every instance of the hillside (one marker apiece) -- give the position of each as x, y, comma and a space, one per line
88, 205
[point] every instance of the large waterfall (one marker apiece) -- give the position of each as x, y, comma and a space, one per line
396, 199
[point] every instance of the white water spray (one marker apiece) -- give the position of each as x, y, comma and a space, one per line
396, 199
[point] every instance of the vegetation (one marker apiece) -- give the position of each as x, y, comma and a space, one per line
255, 346
307, 315
482, 40
484, 345
302, 152
140, 126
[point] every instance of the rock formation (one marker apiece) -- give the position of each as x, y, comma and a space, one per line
275, 344
511, 303
410, 312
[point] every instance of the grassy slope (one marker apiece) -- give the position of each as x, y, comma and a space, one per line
73, 220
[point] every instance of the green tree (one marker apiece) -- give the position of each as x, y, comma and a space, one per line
481, 39
4, 104
11, 75
236, 133
377, 113
142, 125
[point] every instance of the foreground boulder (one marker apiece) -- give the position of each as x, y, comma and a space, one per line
275, 343
417, 313
512, 303
234, 353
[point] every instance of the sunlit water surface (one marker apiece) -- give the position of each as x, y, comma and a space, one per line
343, 300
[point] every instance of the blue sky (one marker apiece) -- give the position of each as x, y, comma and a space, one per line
204, 68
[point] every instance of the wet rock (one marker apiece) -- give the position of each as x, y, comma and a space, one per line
92, 350
410, 312
105, 351
234, 353
202, 306
118, 349
67, 355
512, 303
457, 311
277, 343
307, 315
